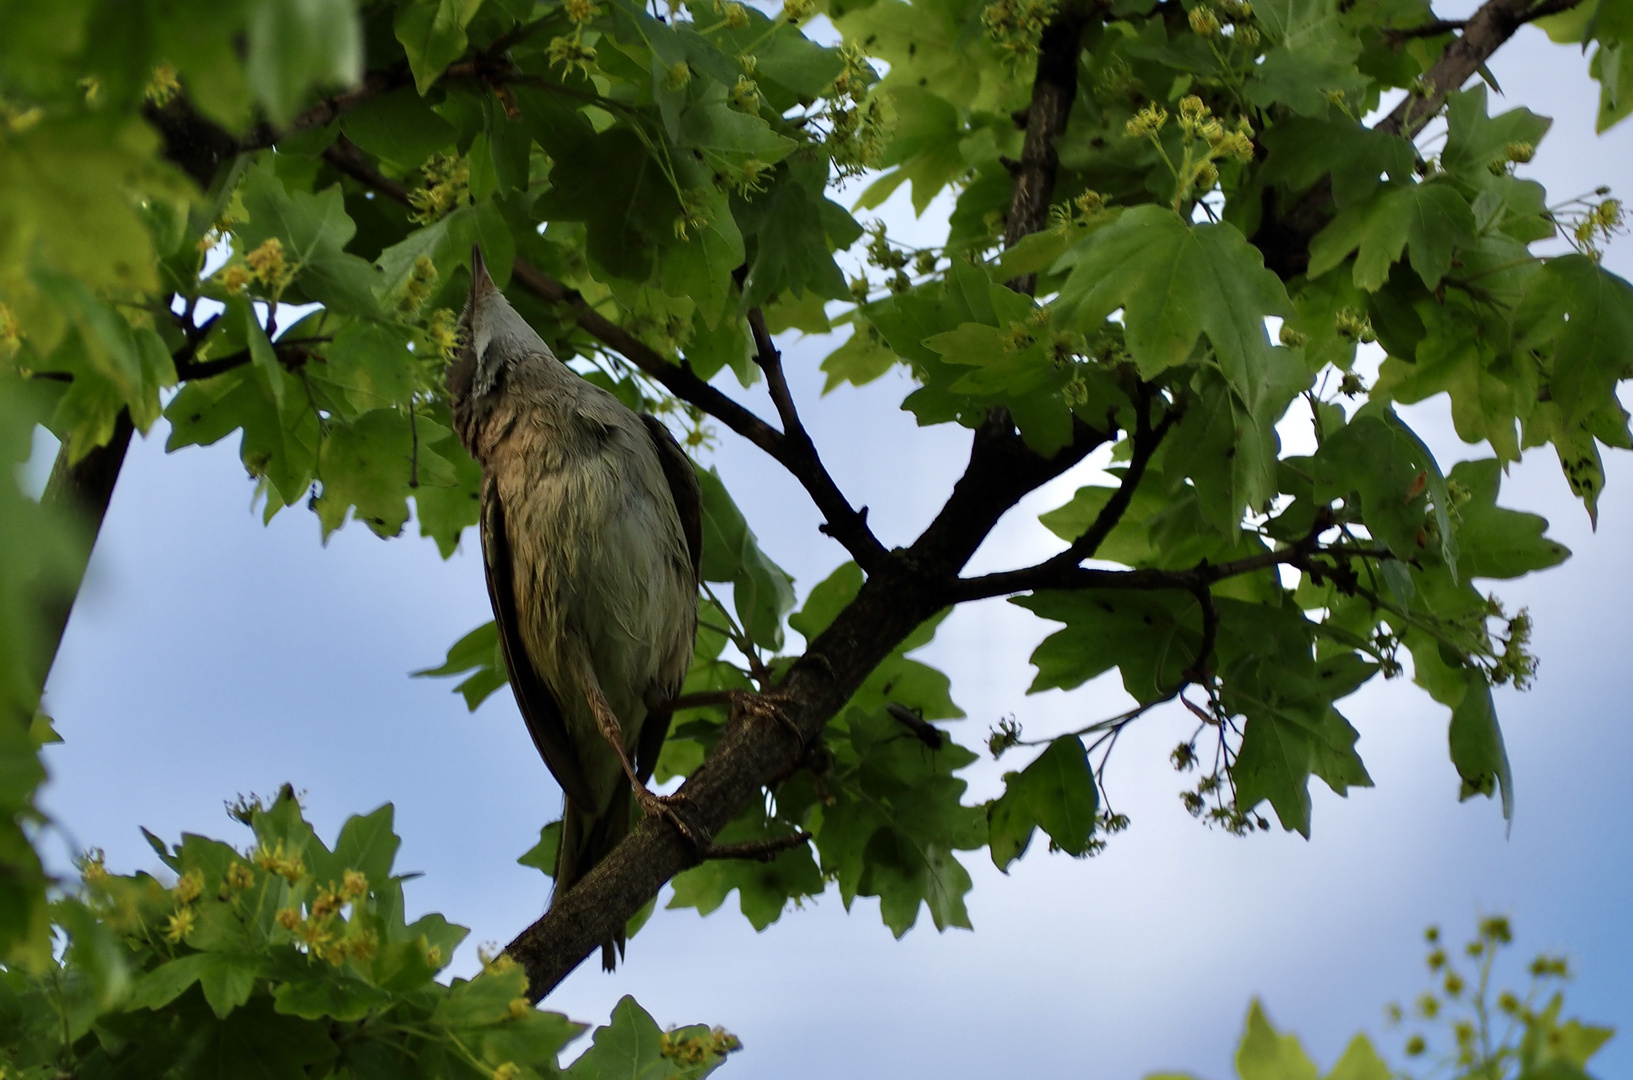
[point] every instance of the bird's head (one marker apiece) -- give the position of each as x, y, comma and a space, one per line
493, 337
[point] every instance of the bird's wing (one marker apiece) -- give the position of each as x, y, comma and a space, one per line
677, 469
538, 705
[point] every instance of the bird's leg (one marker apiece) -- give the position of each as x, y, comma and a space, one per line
652, 804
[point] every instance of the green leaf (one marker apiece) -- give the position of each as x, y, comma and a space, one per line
1475, 141
796, 228
861, 359
168, 981
1433, 219
1266, 1055
1477, 747
830, 596
542, 856
764, 889
368, 844
61, 207
479, 653
1304, 150
227, 980
1360, 1062
1586, 313
432, 33
313, 229
398, 127
1494, 542
629, 1048
1401, 488
1152, 637
1057, 792
762, 592
367, 464
1174, 282
295, 45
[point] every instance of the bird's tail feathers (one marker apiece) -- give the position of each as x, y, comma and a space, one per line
585, 840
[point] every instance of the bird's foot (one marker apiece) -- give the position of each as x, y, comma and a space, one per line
769, 705
664, 806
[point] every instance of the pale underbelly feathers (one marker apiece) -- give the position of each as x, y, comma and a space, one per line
610, 578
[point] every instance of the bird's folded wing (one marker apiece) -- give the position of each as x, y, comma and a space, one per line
538, 705
683, 486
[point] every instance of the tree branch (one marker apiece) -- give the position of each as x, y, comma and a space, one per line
1054, 87
81, 491
848, 526
1485, 32
1285, 240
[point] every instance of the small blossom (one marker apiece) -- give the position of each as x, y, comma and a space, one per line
179, 925
736, 15
288, 918
355, 884
520, 1007
233, 277
508, 1071
189, 886
1148, 121
1203, 21
580, 12
239, 876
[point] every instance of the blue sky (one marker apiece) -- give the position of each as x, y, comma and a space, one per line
211, 656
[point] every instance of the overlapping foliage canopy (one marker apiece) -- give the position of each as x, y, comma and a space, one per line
1175, 226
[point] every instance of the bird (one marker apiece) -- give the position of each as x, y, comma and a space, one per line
591, 529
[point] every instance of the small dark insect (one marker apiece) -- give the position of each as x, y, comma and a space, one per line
926, 732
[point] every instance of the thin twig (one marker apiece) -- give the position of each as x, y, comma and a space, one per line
757, 850
847, 525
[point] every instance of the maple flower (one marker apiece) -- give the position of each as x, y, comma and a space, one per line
188, 886
179, 925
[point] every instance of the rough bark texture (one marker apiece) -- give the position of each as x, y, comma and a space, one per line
81, 490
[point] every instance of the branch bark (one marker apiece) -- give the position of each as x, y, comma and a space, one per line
1285, 240
81, 490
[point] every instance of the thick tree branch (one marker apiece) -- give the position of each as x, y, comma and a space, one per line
1053, 89
1484, 33
81, 491
1285, 240
847, 525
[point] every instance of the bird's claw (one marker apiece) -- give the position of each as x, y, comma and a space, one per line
663, 806
768, 706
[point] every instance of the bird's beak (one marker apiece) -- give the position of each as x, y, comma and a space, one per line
481, 283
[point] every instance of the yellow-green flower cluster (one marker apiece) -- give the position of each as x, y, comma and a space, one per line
858, 120
1597, 226
421, 283
1016, 25
323, 931
163, 86
1078, 213
745, 95
446, 185
692, 1050
266, 265
442, 330
1355, 326
10, 336
1148, 121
